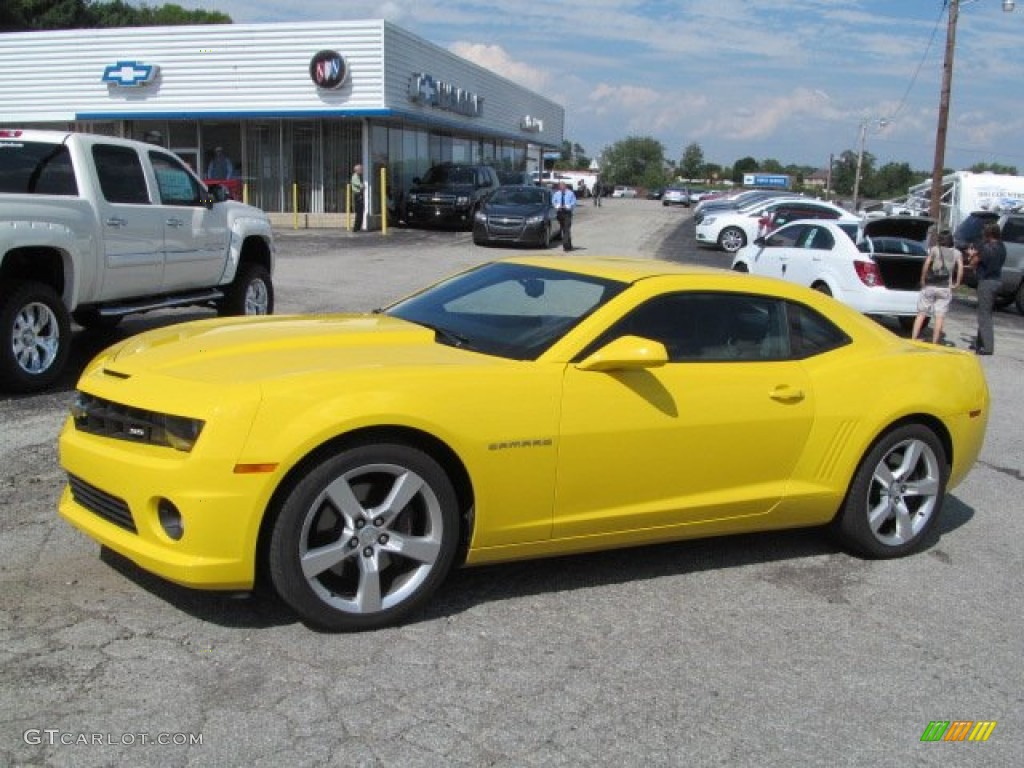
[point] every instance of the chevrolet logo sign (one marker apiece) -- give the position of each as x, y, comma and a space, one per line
130, 73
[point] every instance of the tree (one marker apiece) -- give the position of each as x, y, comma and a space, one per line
30, 15
636, 161
742, 166
1009, 170
572, 156
691, 166
891, 180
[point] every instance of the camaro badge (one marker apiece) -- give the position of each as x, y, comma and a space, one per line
545, 442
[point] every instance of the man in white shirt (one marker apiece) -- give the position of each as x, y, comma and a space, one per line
565, 201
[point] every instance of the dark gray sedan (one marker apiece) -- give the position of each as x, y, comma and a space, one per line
517, 215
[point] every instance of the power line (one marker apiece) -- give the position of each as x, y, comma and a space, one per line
920, 64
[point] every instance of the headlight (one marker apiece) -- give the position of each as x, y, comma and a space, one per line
708, 221
539, 219
178, 432
480, 216
462, 200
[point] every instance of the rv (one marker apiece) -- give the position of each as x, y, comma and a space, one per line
964, 192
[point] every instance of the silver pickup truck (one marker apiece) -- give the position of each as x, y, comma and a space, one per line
93, 228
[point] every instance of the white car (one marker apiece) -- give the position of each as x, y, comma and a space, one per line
731, 230
874, 267
624, 192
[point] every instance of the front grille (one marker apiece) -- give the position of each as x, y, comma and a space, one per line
110, 508
105, 418
508, 226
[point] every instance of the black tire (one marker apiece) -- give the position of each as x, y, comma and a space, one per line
94, 321
251, 293
731, 239
35, 336
363, 580
896, 495
546, 242
822, 288
1019, 298
741, 267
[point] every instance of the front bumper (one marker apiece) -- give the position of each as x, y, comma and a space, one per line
118, 489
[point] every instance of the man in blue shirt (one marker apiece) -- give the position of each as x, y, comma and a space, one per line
565, 201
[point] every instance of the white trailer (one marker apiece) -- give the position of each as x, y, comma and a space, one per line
964, 192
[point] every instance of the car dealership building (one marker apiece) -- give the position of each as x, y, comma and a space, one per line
293, 106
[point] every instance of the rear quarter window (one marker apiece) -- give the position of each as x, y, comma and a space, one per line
36, 168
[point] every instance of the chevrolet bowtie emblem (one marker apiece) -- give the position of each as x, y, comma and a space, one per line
130, 73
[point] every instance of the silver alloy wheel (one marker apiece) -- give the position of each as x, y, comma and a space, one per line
371, 538
732, 239
35, 337
904, 492
257, 298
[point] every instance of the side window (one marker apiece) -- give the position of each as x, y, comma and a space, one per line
119, 170
811, 333
176, 185
785, 238
709, 327
818, 238
1013, 230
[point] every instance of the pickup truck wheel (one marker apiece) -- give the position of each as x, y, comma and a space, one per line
251, 293
35, 330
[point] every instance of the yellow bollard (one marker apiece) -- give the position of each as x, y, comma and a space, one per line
383, 201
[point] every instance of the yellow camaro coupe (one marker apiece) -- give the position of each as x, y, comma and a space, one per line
524, 408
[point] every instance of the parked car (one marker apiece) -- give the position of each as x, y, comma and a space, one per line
95, 228
655, 194
522, 215
739, 199
450, 194
676, 196
874, 267
731, 229
621, 191
524, 408
1011, 227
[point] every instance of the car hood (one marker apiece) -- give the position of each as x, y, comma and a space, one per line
513, 209
451, 189
253, 349
910, 227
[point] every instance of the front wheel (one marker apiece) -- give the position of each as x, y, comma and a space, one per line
35, 336
896, 494
365, 538
732, 239
740, 267
1019, 298
251, 293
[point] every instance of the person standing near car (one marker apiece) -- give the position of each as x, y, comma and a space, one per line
943, 271
565, 201
358, 197
988, 263
598, 191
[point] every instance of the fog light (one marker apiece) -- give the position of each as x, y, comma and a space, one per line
170, 519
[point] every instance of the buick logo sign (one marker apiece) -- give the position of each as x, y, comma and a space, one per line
328, 70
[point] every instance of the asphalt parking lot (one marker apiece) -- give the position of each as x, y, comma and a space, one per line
769, 650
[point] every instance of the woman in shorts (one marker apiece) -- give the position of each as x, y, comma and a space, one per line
942, 272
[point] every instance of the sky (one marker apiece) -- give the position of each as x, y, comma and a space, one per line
790, 80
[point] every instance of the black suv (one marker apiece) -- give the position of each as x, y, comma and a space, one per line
1012, 227
450, 194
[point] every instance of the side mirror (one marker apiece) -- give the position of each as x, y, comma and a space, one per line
218, 193
626, 353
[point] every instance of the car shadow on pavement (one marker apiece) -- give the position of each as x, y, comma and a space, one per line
469, 587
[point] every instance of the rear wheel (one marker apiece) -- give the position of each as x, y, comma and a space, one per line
251, 293
896, 494
365, 538
731, 239
822, 288
35, 336
741, 267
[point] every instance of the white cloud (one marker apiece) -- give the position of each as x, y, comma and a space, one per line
497, 59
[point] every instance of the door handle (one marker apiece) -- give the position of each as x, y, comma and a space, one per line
175, 222
787, 394
115, 221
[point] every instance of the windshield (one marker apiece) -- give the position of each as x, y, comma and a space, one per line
518, 196
510, 310
449, 174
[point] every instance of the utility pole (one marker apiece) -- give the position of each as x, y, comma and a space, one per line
938, 168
